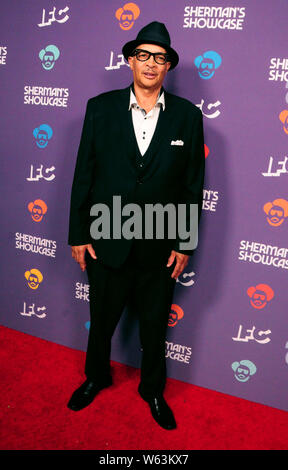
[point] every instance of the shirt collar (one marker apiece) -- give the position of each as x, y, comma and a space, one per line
160, 99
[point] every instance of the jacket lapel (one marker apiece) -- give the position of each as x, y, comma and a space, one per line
162, 129
128, 140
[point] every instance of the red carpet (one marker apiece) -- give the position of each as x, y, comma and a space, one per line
38, 378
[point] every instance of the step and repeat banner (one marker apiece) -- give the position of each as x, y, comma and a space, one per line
227, 329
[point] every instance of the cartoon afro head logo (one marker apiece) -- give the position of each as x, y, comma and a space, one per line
243, 370
207, 64
48, 56
276, 211
260, 295
283, 116
126, 15
34, 278
38, 209
42, 135
176, 313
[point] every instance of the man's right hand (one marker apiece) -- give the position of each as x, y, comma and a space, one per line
78, 253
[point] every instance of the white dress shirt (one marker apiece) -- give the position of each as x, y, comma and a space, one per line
145, 123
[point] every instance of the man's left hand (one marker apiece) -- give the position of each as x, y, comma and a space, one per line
181, 263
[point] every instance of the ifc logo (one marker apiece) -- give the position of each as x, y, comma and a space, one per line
207, 64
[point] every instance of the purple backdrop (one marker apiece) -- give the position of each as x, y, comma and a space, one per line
227, 329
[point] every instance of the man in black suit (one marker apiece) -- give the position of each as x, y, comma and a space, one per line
146, 146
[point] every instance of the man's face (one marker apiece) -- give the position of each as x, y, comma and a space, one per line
276, 216
33, 281
242, 374
259, 299
37, 213
42, 139
48, 61
173, 319
149, 74
127, 19
207, 68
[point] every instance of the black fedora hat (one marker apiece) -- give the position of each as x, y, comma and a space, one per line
153, 33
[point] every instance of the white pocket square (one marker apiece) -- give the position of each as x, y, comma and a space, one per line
177, 142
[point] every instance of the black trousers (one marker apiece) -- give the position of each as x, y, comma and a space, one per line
147, 288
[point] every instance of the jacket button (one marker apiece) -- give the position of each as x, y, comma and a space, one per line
139, 181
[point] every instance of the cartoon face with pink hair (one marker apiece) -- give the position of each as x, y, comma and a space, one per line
126, 15
176, 313
260, 295
276, 211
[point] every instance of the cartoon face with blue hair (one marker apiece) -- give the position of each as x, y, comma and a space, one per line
243, 370
207, 64
42, 134
48, 56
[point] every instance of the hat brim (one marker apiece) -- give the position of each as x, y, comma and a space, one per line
129, 47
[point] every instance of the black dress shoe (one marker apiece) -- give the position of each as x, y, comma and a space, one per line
161, 412
85, 394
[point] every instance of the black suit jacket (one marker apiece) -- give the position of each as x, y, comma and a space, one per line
109, 164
